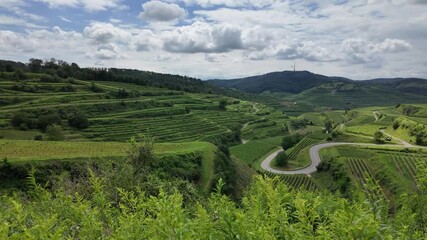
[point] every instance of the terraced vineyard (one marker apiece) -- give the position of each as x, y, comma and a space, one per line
360, 170
367, 130
296, 181
301, 145
406, 166
117, 111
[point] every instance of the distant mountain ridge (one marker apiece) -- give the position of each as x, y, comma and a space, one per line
299, 81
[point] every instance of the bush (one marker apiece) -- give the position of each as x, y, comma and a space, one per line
54, 133
18, 119
44, 121
282, 159
23, 127
222, 104
38, 137
78, 120
290, 140
95, 88
396, 124
378, 135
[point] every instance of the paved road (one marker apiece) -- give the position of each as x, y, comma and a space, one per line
315, 157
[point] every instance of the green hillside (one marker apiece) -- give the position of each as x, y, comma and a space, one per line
115, 110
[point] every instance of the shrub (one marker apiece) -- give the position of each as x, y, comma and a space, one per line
222, 104
38, 137
44, 121
54, 133
18, 119
396, 124
78, 120
282, 159
290, 140
378, 135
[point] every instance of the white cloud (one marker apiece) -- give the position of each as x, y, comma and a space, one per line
359, 39
64, 19
101, 33
13, 21
11, 3
161, 11
358, 50
229, 3
203, 37
89, 5
108, 51
11, 41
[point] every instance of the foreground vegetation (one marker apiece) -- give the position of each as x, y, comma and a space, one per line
269, 210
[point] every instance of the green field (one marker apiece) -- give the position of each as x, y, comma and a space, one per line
254, 150
22, 150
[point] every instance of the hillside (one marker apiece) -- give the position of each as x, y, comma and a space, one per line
286, 81
113, 105
297, 92
298, 81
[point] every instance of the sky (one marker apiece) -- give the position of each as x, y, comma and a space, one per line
358, 39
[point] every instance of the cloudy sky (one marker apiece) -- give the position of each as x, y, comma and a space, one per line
359, 39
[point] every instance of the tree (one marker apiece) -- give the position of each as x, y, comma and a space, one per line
222, 104
54, 133
18, 119
35, 65
78, 120
289, 141
328, 125
378, 135
282, 159
19, 75
44, 121
396, 124
141, 154
419, 137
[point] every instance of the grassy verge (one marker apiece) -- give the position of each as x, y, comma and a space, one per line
257, 163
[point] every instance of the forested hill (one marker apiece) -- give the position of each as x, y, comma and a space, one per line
61, 69
299, 81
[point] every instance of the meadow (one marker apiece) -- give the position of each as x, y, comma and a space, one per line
26, 150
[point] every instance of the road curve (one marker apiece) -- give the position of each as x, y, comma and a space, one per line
315, 157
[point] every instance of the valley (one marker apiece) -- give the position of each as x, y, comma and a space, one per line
173, 133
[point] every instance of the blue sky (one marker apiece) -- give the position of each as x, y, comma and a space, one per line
359, 39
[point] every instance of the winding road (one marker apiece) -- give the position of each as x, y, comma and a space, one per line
315, 157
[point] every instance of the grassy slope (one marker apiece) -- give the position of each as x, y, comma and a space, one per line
380, 161
254, 150
160, 112
23, 150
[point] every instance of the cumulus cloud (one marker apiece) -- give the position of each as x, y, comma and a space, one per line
202, 37
145, 40
108, 51
307, 50
11, 41
161, 11
13, 21
229, 3
101, 33
89, 5
358, 50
